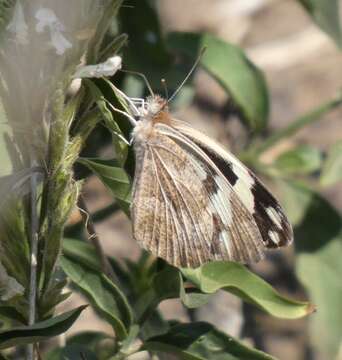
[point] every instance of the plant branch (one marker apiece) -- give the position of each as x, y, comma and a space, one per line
298, 124
33, 254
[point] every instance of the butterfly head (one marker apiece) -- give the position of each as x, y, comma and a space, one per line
154, 105
155, 110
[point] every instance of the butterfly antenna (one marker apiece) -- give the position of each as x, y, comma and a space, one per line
163, 81
143, 77
189, 73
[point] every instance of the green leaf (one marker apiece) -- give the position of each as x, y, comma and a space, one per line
233, 70
85, 253
318, 240
53, 297
302, 160
9, 312
326, 15
202, 341
105, 296
164, 285
154, 325
3, 357
167, 284
332, 168
71, 352
40, 331
82, 252
119, 141
113, 176
238, 280
88, 343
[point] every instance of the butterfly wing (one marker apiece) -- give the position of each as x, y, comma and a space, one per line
187, 210
169, 205
267, 213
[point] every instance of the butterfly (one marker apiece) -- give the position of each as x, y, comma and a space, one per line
193, 201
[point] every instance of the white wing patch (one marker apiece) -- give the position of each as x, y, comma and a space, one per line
266, 210
243, 186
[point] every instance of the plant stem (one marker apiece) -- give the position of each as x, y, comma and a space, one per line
296, 125
33, 254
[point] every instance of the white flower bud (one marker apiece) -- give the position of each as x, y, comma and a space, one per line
107, 68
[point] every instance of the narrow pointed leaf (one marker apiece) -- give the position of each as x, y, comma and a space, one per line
241, 282
105, 296
229, 65
113, 176
119, 141
40, 331
202, 341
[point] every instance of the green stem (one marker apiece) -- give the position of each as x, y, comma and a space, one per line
298, 124
34, 256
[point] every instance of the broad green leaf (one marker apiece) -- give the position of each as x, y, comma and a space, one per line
86, 254
229, 65
326, 14
154, 325
119, 141
164, 285
192, 297
238, 280
318, 240
106, 297
302, 160
202, 341
113, 176
332, 167
90, 339
71, 352
168, 284
88, 343
82, 252
40, 331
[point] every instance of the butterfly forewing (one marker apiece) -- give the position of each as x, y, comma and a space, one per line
194, 202
273, 225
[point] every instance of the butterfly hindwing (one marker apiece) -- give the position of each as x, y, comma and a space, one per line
169, 206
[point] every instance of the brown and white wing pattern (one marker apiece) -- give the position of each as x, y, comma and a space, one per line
169, 208
265, 209
190, 205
